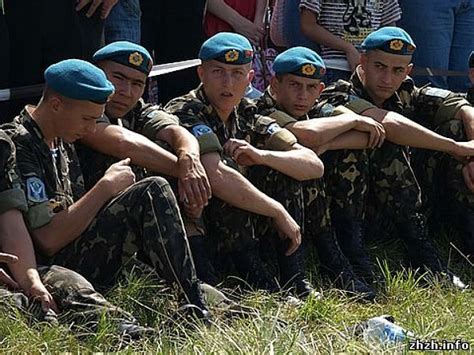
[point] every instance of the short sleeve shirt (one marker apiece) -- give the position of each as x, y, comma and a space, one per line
198, 116
351, 20
52, 177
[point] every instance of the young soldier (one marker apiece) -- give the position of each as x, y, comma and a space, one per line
96, 232
229, 131
68, 292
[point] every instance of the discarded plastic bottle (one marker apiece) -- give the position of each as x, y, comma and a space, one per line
384, 330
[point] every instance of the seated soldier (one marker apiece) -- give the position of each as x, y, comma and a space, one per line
229, 131
97, 232
351, 167
68, 292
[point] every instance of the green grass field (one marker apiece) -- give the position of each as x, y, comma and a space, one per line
271, 324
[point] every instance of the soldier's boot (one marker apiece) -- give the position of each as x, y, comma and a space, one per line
195, 298
421, 251
135, 331
292, 272
204, 269
251, 267
350, 237
338, 267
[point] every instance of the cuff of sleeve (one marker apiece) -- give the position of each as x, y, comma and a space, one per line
12, 199
448, 110
282, 118
209, 143
281, 140
39, 215
159, 120
359, 105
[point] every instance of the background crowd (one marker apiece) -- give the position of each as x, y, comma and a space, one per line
37, 33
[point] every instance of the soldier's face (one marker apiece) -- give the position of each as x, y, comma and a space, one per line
382, 73
224, 84
129, 86
296, 95
77, 118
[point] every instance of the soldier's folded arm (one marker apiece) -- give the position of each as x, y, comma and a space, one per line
122, 143
348, 140
466, 115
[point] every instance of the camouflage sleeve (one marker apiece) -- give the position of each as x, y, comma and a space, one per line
340, 93
437, 105
155, 119
39, 211
192, 116
11, 194
270, 135
281, 118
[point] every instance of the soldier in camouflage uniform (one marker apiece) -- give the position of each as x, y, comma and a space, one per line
98, 232
229, 131
127, 66
63, 290
394, 190
294, 90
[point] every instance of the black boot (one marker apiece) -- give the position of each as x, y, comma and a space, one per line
338, 267
292, 273
421, 251
469, 236
194, 298
350, 237
250, 267
204, 269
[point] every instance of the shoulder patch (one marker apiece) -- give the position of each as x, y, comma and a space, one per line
435, 92
200, 130
35, 190
273, 128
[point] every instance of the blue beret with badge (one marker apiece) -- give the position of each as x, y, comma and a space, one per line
300, 61
127, 53
471, 60
228, 48
392, 40
79, 80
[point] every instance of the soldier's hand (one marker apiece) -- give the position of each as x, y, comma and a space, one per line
4, 277
193, 184
375, 129
463, 150
118, 177
107, 5
242, 152
288, 229
39, 292
468, 175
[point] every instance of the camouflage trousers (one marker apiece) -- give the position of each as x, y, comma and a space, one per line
143, 220
76, 298
379, 186
446, 197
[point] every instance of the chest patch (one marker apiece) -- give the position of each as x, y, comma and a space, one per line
435, 92
35, 190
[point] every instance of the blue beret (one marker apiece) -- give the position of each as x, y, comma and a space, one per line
79, 80
300, 61
471, 60
392, 40
228, 48
127, 53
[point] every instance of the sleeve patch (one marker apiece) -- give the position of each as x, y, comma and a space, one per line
435, 92
201, 130
35, 190
273, 128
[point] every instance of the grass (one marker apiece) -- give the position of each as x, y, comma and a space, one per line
273, 325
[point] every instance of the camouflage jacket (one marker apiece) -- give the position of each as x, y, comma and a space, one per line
11, 193
267, 105
198, 116
427, 106
146, 119
52, 178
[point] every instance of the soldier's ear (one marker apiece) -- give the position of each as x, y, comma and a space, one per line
200, 72
409, 68
471, 75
